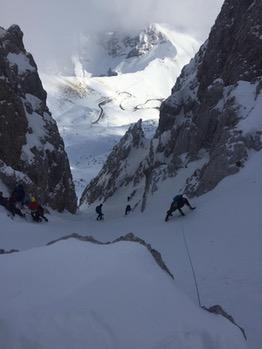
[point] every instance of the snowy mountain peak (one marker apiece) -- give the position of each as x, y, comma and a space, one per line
133, 45
117, 52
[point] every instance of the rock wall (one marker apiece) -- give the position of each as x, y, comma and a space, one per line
31, 149
217, 98
121, 167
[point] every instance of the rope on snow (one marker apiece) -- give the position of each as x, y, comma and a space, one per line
216, 309
191, 264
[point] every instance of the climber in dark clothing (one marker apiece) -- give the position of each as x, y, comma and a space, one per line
99, 212
178, 202
3, 200
18, 194
41, 212
10, 205
128, 210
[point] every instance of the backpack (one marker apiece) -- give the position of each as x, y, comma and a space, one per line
98, 209
177, 198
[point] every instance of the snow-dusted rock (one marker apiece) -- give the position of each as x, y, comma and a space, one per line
31, 149
120, 168
218, 98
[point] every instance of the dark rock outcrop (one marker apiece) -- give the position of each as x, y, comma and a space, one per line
211, 122
31, 149
218, 310
2, 251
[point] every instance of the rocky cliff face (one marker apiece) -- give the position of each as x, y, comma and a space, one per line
216, 101
213, 117
134, 46
31, 149
122, 168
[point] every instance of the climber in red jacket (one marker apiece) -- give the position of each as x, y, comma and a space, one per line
37, 211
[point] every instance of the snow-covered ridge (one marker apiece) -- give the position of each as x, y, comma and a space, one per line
101, 297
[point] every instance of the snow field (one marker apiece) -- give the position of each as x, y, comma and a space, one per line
75, 294
223, 234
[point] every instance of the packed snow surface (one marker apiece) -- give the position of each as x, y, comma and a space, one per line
79, 295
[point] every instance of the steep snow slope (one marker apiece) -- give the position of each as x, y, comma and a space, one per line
94, 112
101, 297
223, 234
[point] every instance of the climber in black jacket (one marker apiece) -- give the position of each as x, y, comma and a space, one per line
178, 202
99, 212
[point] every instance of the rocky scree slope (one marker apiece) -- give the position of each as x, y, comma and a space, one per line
31, 149
213, 114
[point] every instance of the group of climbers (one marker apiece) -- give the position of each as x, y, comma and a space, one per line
100, 214
178, 203
19, 201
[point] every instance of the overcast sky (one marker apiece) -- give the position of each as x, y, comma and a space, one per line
52, 27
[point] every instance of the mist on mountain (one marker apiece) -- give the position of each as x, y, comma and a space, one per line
52, 29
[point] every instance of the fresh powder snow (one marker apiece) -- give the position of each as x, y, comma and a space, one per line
76, 294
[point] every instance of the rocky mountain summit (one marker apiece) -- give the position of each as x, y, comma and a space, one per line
120, 52
212, 121
31, 149
133, 46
